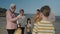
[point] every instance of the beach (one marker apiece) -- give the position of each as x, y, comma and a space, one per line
3, 25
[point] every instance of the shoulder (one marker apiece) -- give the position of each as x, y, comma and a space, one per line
35, 24
45, 22
51, 14
7, 11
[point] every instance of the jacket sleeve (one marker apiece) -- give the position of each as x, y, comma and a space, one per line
9, 17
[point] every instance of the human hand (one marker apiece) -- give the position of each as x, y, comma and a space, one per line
19, 16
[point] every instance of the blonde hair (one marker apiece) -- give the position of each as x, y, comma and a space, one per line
37, 18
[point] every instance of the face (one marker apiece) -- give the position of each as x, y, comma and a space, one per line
13, 8
29, 21
21, 12
37, 12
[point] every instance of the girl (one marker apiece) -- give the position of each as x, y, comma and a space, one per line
37, 16
28, 26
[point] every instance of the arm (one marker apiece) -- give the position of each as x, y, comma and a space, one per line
37, 18
9, 17
25, 21
18, 24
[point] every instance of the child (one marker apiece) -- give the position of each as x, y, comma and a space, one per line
37, 16
28, 26
44, 26
21, 22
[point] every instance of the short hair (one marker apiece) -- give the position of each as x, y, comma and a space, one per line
45, 10
22, 10
38, 10
12, 5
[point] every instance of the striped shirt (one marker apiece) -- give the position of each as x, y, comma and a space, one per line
43, 27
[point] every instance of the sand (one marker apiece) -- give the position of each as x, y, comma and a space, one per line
3, 25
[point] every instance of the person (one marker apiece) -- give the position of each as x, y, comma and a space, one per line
51, 17
11, 19
44, 26
28, 26
37, 16
22, 21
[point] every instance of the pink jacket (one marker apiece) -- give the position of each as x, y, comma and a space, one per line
11, 20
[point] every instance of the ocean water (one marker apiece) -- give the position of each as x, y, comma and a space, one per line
32, 15
57, 17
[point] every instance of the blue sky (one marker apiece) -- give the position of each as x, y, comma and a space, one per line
30, 6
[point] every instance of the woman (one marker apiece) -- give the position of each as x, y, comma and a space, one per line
11, 19
37, 16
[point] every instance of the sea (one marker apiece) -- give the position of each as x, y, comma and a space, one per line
32, 15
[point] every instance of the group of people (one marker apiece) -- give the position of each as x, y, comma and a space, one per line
14, 22
43, 21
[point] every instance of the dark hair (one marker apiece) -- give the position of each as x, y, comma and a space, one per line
45, 10
38, 10
28, 20
22, 10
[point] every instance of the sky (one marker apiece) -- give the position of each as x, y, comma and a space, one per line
30, 6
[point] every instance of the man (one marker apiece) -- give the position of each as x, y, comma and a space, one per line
11, 19
22, 21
